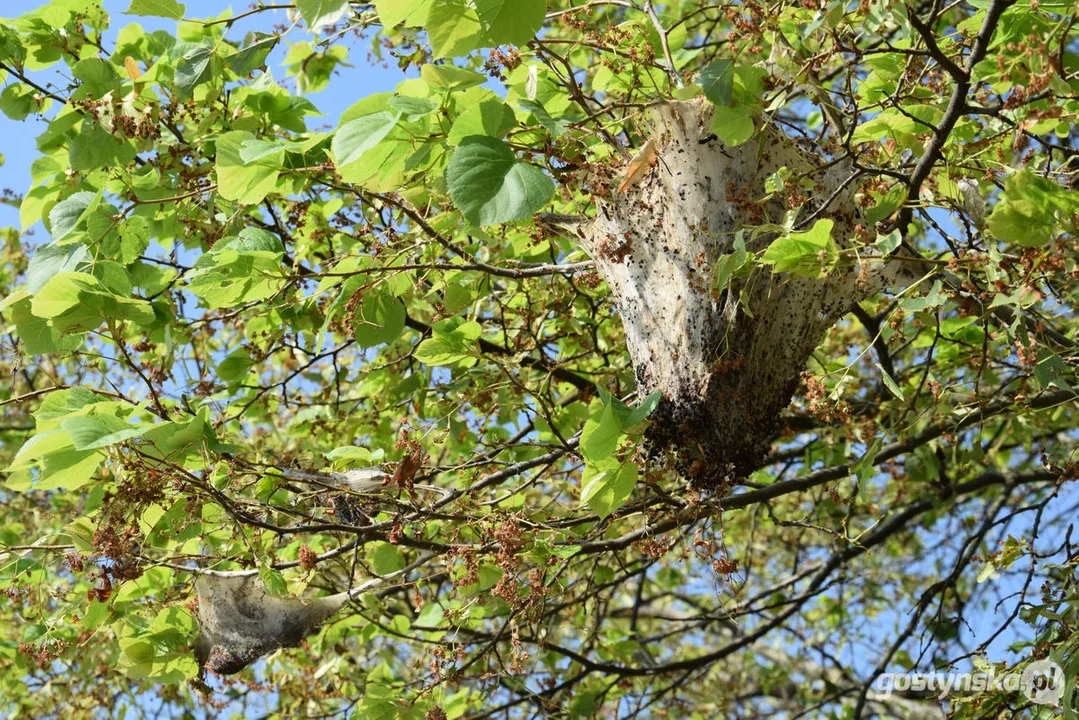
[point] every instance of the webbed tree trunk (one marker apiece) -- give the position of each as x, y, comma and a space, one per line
240, 621
727, 362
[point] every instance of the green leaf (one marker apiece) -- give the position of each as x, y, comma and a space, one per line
32, 206
96, 77
601, 435
252, 57
888, 243
95, 148
492, 118
17, 101
253, 242
448, 77
61, 293
1032, 209
235, 365
890, 383
239, 269
607, 484
411, 13
70, 212
607, 427
139, 653
68, 469
733, 125
146, 178
489, 185
37, 337
728, 264
157, 8
717, 81
50, 259
134, 239
453, 28
254, 150
193, 69
177, 441
887, 205
511, 22
59, 405
436, 351
431, 615
777, 181
246, 183
888, 124
556, 126
350, 454
10, 46
642, 411
382, 168
89, 432
274, 581
804, 253
452, 341
79, 301
318, 13
96, 615
412, 108
384, 558
379, 703
932, 299
1051, 371
688, 92
356, 137
1065, 656
379, 319
38, 446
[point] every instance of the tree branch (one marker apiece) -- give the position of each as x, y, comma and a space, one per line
957, 106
